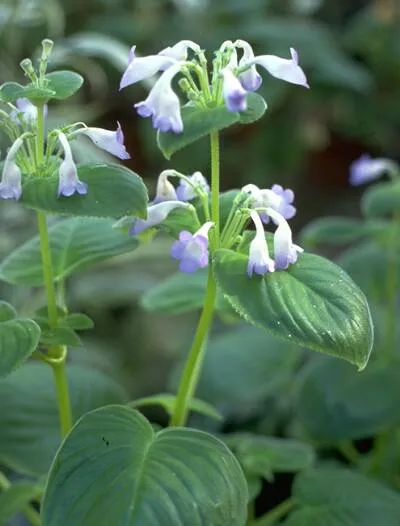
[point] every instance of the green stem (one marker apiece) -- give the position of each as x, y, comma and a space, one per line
63, 399
349, 452
194, 361
30, 513
47, 270
277, 513
192, 369
214, 143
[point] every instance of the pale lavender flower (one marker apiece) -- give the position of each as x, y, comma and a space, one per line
233, 92
366, 169
179, 50
250, 79
192, 249
110, 141
69, 182
259, 259
185, 190
156, 214
140, 68
165, 190
25, 111
10, 185
285, 251
281, 68
162, 104
280, 200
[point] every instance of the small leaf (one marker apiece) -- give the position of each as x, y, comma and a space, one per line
264, 456
131, 475
19, 337
113, 191
11, 91
314, 303
167, 402
337, 403
60, 336
181, 219
29, 421
78, 322
256, 107
197, 122
75, 244
381, 199
64, 83
16, 497
340, 497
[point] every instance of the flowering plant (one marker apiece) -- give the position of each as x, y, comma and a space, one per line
113, 467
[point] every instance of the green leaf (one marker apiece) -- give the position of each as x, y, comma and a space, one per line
113, 191
78, 322
131, 475
382, 199
181, 219
255, 365
19, 337
75, 244
64, 83
333, 231
314, 304
29, 422
340, 497
16, 497
336, 403
264, 456
256, 107
11, 91
197, 122
167, 402
60, 336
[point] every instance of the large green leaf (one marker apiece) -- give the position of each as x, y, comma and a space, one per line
381, 199
75, 244
337, 403
333, 231
263, 456
130, 475
314, 303
340, 497
29, 420
113, 191
64, 83
19, 337
197, 122
255, 365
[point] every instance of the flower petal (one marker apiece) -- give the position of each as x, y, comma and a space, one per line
284, 69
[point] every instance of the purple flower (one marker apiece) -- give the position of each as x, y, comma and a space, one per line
366, 169
280, 200
185, 190
250, 79
259, 260
110, 141
162, 104
165, 190
281, 68
156, 214
233, 92
192, 249
69, 182
140, 68
10, 185
179, 50
285, 251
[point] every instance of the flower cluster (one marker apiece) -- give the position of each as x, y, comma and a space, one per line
232, 79
21, 121
365, 169
261, 205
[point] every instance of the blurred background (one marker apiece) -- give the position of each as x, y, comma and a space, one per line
306, 141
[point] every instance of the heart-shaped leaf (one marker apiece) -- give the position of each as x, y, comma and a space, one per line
131, 475
314, 303
197, 122
29, 421
75, 244
113, 191
340, 497
19, 337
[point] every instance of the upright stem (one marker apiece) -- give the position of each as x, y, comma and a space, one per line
57, 354
192, 369
30, 513
276, 513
